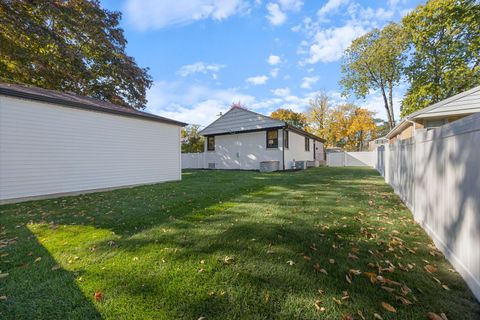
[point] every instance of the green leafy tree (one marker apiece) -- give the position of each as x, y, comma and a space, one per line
445, 45
69, 46
192, 141
374, 62
296, 119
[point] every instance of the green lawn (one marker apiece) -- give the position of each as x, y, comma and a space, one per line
227, 245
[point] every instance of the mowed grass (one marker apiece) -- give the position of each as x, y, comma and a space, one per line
227, 245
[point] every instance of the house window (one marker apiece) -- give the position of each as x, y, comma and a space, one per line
272, 139
211, 143
307, 144
285, 139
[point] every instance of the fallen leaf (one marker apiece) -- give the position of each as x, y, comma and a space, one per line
318, 306
38, 260
377, 316
355, 272
3, 275
388, 307
348, 277
360, 314
444, 286
98, 296
332, 261
290, 262
403, 300
433, 316
388, 289
429, 268
228, 260
336, 300
56, 267
347, 317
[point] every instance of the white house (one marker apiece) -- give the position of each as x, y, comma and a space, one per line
243, 139
54, 143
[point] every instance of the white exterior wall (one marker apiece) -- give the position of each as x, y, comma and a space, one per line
243, 151
47, 149
296, 150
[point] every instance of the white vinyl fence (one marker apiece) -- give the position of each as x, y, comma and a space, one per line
351, 159
193, 160
437, 174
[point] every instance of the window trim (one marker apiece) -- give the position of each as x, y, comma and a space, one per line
307, 144
208, 143
286, 139
275, 145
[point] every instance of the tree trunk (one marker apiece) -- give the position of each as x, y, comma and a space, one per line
391, 121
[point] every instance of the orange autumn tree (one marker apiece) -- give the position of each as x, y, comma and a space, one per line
350, 127
296, 119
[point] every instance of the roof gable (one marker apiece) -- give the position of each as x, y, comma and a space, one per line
240, 120
467, 102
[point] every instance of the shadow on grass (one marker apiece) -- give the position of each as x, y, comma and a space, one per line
229, 245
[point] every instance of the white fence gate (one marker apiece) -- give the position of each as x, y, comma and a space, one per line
437, 174
351, 159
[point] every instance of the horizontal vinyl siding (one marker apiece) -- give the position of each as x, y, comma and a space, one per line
49, 149
243, 151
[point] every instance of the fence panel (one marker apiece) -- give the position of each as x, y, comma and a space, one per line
437, 174
351, 159
193, 161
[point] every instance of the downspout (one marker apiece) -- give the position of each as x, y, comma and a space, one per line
283, 148
414, 125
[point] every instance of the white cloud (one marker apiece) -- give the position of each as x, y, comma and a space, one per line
258, 80
329, 44
199, 67
291, 5
275, 15
195, 104
154, 14
281, 92
274, 72
273, 60
331, 6
307, 82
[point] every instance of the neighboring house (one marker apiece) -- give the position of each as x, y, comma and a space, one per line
438, 114
372, 145
242, 139
54, 143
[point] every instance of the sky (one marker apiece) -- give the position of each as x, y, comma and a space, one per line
203, 55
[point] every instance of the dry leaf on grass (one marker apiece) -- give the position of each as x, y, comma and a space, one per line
98, 295
332, 261
377, 316
429, 268
388, 307
360, 314
3, 275
434, 316
348, 277
318, 306
444, 286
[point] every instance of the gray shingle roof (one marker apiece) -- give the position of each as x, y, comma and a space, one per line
77, 101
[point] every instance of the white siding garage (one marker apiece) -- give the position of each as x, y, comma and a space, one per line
49, 149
